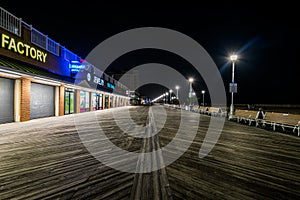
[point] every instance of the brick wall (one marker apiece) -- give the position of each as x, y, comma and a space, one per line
61, 100
25, 100
77, 105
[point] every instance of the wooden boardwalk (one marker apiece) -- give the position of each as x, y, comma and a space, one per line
45, 159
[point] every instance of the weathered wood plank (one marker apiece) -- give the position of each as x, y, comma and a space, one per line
46, 159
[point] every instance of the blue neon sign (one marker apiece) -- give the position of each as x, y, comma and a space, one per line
110, 85
76, 66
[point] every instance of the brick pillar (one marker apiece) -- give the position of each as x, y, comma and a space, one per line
56, 102
103, 100
25, 100
117, 101
108, 106
91, 101
77, 106
61, 100
112, 101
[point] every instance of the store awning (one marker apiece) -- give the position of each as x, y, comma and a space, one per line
21, 67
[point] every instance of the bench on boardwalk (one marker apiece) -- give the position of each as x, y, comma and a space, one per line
203, 109
217, 112
282, 120
245, 116
273, 120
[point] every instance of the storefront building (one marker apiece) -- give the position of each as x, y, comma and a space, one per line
40, 78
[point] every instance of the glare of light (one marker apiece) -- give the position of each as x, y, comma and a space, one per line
191, 80
170, 91
176, 87
203, 91
157, 98
194, 93
233, 57
9, 75
167, 93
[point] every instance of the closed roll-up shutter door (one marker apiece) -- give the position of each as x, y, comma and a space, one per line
6, 100
41, 101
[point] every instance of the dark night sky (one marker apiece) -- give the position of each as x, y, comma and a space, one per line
267, 39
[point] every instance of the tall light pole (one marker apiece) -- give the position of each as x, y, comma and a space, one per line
233, 58
203, 92
170, 92
177, 88
167, 95
191, 80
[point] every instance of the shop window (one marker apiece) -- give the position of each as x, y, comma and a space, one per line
69, 101
84, 101
97, 101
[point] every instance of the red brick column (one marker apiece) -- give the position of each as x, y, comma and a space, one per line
77, 106
61, 100
118, 103
25, 100
103, 101
108, 106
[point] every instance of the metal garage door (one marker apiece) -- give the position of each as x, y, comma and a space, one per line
41, 101
6, 100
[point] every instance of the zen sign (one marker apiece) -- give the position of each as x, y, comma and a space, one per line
95, 79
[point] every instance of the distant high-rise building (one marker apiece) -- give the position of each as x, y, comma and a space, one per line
130, 79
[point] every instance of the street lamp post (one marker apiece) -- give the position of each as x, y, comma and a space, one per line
194, 95
167, 95
170, 92
203, 92
177, 88
191, 80
233, 58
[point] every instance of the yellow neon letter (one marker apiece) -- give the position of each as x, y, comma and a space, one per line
21, 51
4, 40
12, 44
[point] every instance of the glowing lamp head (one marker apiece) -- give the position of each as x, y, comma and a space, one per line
233, 57
203, 91
176, 87
170, 91
191, 80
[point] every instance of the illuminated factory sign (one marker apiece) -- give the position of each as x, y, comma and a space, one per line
19, 47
